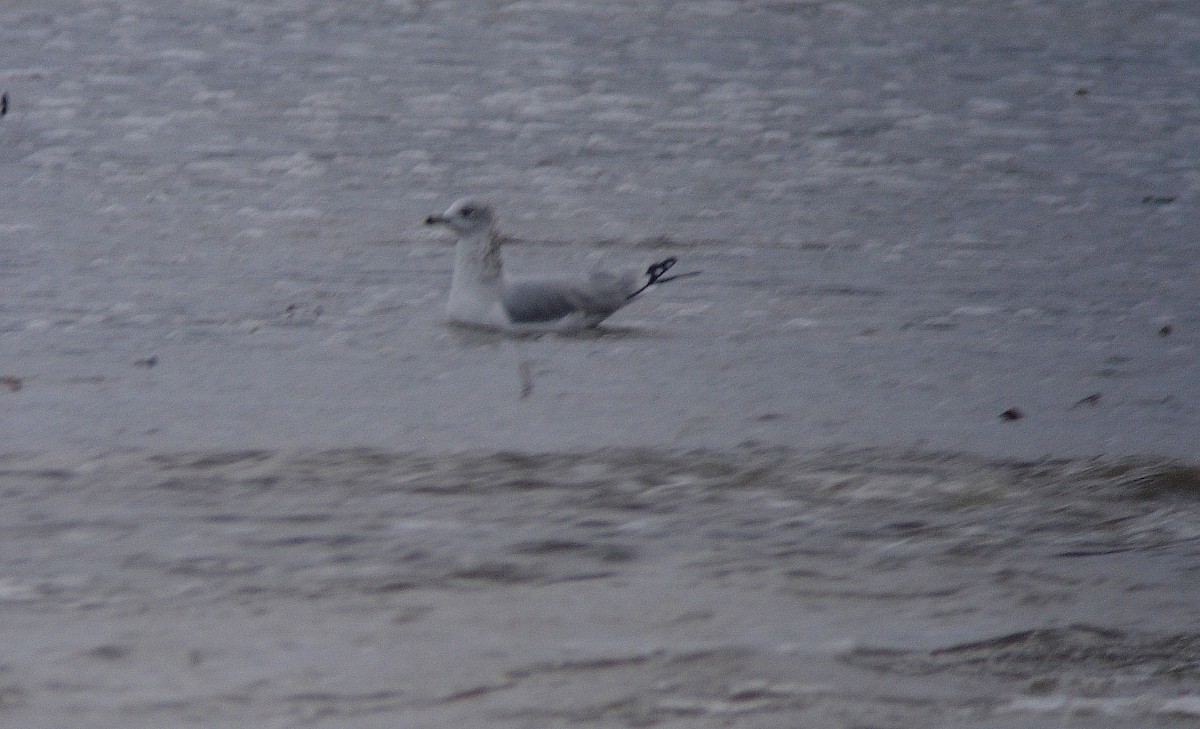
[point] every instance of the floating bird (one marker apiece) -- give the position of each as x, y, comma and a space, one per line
481, 294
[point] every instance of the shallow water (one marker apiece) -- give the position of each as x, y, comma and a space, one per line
910, 219
617, 588
250, 476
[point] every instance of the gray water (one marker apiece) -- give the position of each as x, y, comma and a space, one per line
623, 587
909, 218
249, 467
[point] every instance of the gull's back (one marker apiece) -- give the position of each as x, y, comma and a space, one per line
584, 302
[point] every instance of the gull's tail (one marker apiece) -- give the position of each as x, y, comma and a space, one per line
655, 275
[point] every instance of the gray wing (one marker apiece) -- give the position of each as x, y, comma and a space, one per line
530, 302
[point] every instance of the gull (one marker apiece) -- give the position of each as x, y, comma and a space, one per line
481, 295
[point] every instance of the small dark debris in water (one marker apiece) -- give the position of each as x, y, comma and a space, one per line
1042, 685
1081, 91
146, 361
291, 311
499, 573
4, 103
909, 528
109, 652
1158, 199
1091, 400
548, 546
1165, 330
12, 382
1012, 414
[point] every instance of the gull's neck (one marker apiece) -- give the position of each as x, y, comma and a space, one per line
477, 259
478, 283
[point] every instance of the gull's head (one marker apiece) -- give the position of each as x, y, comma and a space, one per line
465, 217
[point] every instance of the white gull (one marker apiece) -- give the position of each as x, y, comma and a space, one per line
481, 294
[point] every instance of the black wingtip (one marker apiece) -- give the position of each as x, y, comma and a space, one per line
4, 103
656, 270
654, 275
